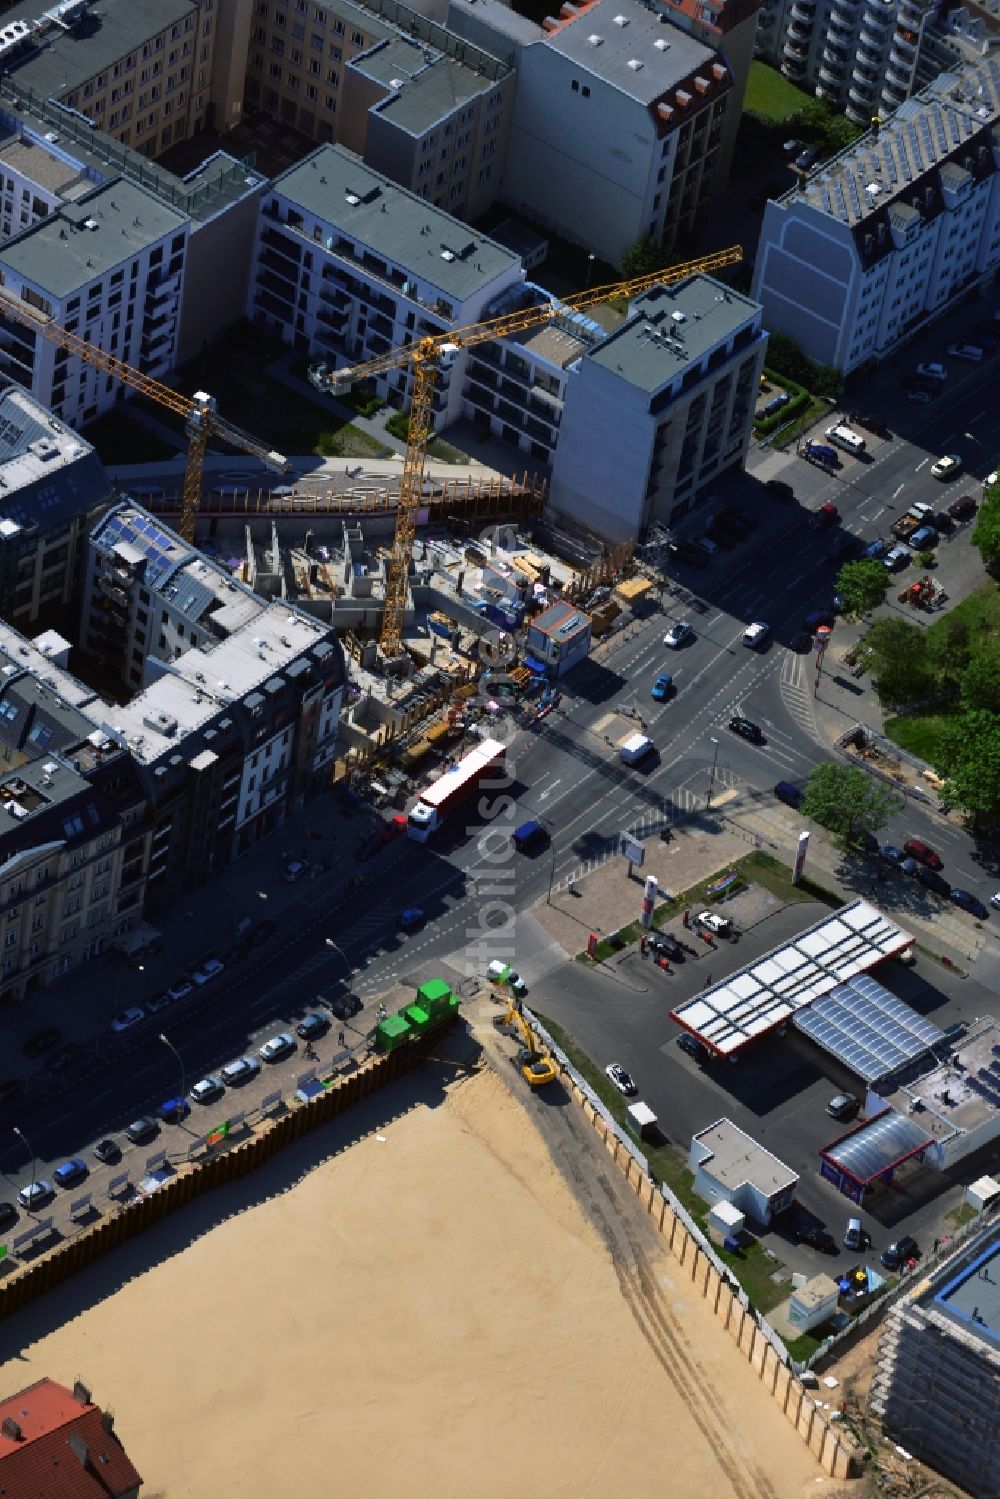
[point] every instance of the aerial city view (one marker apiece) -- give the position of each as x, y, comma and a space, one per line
499, 748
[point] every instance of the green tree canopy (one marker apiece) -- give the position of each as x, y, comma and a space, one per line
980, 683
969, 757
848, 802
645, 256
862, 585
900, 661
986, 533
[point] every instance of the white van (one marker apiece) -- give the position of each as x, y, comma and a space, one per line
843, 437
635, 748
972, 353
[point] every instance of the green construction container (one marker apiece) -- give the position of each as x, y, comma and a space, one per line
434, 996
392, 1032
417, 1017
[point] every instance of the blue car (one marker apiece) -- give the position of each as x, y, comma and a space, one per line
69, 1173
876, 550
410, 919
968, 902
173, 1110
891, 854
662, 687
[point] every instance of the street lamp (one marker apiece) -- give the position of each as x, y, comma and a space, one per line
715, 761
20, 1135
180, 1062
334, 948
590, 267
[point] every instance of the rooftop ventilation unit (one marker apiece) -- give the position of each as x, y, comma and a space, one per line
353, 199
594, 39
621, 20
634, 64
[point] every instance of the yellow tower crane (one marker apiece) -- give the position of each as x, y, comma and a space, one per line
437, 351
201, 419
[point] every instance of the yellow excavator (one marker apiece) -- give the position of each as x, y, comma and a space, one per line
535, 1067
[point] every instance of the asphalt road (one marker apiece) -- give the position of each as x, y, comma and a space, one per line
568, 774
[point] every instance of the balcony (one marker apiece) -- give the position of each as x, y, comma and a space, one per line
898, 77
803, 11
799, 31
870, 58
845, 13
862, 96
835, 80
872, 43
904, 47
878, 19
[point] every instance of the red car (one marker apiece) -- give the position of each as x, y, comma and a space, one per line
914, 849
391, 830
826, 515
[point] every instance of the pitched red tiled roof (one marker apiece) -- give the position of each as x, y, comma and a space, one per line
41, 1463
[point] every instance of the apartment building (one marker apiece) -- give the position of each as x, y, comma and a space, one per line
657, 410
867, 58
72, 844
348, 265
618, 122
109, 266
142, 70
884, 237
235, 701
937, 1374
52, 488
49, 158
418, 105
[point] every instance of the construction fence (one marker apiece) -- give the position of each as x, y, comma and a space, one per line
225, 1161
757, 1341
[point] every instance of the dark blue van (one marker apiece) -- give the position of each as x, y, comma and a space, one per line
528, 836
789, 794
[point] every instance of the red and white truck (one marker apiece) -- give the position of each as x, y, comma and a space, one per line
454, 787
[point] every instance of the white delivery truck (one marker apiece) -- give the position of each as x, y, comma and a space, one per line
843, 437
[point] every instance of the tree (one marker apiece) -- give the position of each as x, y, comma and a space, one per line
950, 645
862, 586
645, 256
848, 802
980, 683
899, 661
968, 755
986, 533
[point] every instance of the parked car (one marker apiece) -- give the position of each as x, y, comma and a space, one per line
173, 1110
876, 550
691, 1045
896, 558
855, 1237
660, 689
920, 395
157, 1003
142, 1130
277, 1047
410, 918
948, 467
935, 372
108, 1151
235, 1074
966, 901
746, 729
10, 1091
819, 1238
128, 1018
714, 921
915, 848
42, 1041
622, 1080
963, 508
678, 634
923, 539
895, 1256
209, 970
8, 1215
891, 854
312, 1025
843, 1106
207, 1090
807, 158
180, 989
943, 522
662, 942
36, 1194
70, 1172
294, 871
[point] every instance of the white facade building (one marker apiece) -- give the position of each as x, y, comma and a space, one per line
730, 1167
348, 265
880, 240
658, 410
109, 267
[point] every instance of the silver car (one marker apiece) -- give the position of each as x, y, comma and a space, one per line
277, 1047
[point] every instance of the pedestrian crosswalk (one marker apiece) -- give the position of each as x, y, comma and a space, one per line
796, 693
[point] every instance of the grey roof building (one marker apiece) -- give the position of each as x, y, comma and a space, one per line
937, 1381
52, 486
109, 33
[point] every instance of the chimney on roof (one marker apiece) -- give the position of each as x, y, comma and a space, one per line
108, 1420
79, 1447
12, 1429
81, 1393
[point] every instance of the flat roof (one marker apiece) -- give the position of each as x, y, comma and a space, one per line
42, 166
425, 84
671, 327
561, 621
396, 224
737, 1160
666, 55
108, 33
953, 1097
60, 254
48, 472
875, 1146
767, 992
866, 1027
973, 1296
